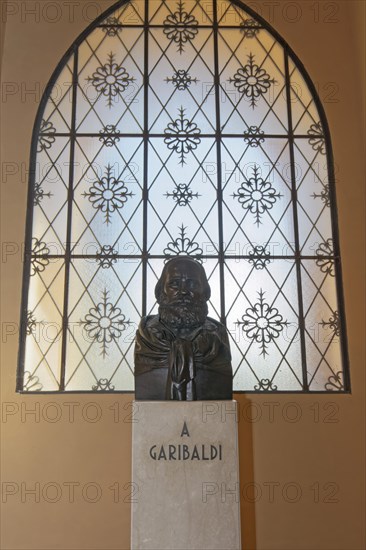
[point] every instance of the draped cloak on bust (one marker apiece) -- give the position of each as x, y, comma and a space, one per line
165, 363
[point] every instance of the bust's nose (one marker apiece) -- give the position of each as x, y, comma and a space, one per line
183, 289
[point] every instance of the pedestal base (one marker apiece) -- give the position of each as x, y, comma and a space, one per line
185, 471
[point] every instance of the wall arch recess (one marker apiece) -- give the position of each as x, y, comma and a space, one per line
181, 128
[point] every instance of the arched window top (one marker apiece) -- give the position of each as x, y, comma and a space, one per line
244, 39
181, 128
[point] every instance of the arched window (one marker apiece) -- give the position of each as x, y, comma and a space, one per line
168, 128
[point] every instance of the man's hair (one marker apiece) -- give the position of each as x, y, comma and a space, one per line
160, 284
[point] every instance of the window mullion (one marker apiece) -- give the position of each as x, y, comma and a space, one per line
145, 191
70, 198
296, 223
219, 165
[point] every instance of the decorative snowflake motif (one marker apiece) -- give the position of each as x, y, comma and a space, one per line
259, 257
105, 323
180, 27
111, 80
262, 323
182, 136
257, 195
265, 385
324, 195
182, 246
335, 382
326, 263
334, 323
250, 28
108, 135
115, 27
108, 194
103, 385
253, 136
31, 323
39, 194
252, 81
107, 256
31, 382
182, 194
316, 139
46, 136
181, 80
40, 259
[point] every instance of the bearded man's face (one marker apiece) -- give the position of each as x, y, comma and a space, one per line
182, 303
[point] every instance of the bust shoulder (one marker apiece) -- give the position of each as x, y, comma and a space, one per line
150, 327
214, 325
148, 321
149, 324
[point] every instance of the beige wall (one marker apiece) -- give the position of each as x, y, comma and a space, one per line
319, 458
2, 28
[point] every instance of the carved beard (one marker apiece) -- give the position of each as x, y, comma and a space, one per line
184, 314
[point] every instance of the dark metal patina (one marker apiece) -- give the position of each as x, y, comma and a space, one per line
182, 354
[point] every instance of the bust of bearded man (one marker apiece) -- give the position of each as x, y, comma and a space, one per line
181, 353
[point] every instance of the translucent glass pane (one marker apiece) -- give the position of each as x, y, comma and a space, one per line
305, 116
262, 320
189, 222
252, 82
257, 205
186, 83
313, 195
51, 191
110, 90
323, 325
57, 113
172, 13
104, 312
187, 150
107, 201
44, 322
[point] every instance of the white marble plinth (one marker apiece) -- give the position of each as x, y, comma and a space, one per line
185, 470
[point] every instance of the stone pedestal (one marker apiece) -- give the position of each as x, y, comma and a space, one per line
185, 471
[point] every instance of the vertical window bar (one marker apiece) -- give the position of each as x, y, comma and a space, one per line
219, 166
27, 258
146, 156
296, 222
337, 253
70, 197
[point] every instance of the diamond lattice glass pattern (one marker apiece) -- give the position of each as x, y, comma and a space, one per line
170, 128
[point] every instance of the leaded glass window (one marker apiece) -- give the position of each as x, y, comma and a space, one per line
169, 128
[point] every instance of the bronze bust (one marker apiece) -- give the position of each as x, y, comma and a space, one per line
182, 354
